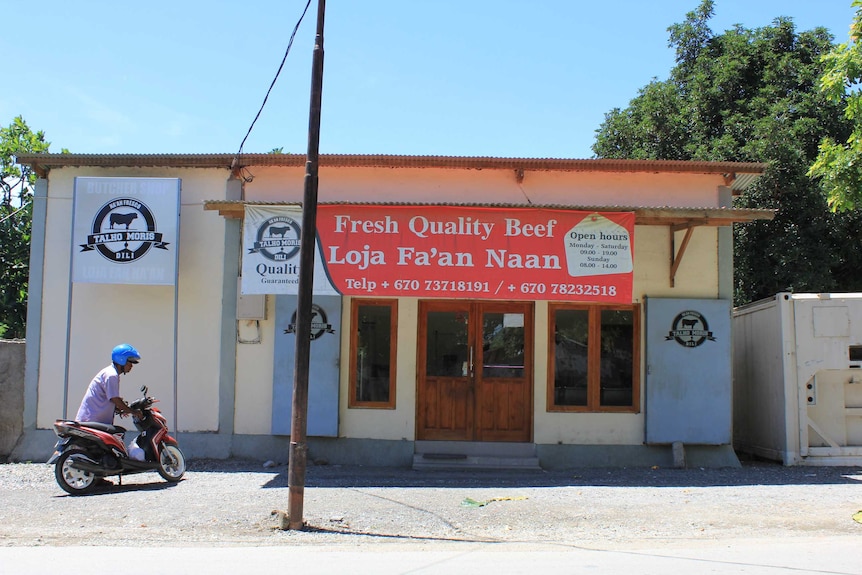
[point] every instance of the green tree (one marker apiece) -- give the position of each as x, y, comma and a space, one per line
839, 165
16, 210
751, 96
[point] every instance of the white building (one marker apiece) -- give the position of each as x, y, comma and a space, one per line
505, 331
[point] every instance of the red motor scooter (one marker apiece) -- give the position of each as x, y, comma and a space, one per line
87, 452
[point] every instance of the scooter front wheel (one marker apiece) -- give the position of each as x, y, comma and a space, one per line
172, 463
71, 480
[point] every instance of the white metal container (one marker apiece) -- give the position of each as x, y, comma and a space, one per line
797, 370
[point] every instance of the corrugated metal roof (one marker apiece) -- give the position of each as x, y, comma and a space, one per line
738, 175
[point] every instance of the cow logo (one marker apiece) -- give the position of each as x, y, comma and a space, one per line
277, 239
123, 231
690, 329
319, 323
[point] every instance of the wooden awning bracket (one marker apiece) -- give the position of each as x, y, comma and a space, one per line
729, 178
676, 258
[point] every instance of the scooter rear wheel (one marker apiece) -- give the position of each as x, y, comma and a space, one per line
172, 463
71, 480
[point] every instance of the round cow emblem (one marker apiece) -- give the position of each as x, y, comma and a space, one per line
319, 322
123, 231
277, 239
690, 329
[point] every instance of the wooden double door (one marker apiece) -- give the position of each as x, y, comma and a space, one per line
475, 371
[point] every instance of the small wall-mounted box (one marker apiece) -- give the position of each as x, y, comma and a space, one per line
249, 306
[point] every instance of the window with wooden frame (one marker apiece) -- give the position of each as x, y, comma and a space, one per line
594, 358
372, 353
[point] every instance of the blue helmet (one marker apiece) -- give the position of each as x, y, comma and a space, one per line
123, 353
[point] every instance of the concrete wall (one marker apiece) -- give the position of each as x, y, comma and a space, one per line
11, 394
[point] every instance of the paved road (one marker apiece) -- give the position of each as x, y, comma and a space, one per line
821, 555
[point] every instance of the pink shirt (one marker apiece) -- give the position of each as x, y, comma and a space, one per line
97, 405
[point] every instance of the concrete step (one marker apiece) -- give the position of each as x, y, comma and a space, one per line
474, 455
475, 462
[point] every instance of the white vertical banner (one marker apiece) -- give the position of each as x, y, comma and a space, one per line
270, 255
125, 230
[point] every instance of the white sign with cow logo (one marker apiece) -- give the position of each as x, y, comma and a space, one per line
125, 230
270, 255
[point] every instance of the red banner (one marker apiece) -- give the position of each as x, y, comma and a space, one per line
482, 253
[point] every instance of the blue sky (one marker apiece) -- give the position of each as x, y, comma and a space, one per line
508, 78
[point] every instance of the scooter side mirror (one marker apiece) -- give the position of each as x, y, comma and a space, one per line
144, 389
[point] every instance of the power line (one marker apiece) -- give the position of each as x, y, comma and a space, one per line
236, 160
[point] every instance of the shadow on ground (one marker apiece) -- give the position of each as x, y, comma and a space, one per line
115, 488
751, 473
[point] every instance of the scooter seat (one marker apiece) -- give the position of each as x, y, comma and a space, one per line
112, 429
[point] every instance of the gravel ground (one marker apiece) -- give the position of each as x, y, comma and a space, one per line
237, 502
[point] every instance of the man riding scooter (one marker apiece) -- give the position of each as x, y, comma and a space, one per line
102, 397
92, 447
103, 393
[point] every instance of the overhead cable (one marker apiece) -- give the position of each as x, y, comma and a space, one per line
236, 160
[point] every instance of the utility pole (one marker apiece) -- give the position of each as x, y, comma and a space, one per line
299, 422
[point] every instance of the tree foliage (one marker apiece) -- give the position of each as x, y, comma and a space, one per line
839, 165
16, 210
751, 96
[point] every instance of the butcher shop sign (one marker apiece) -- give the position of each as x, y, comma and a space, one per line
125, 230
270, 259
